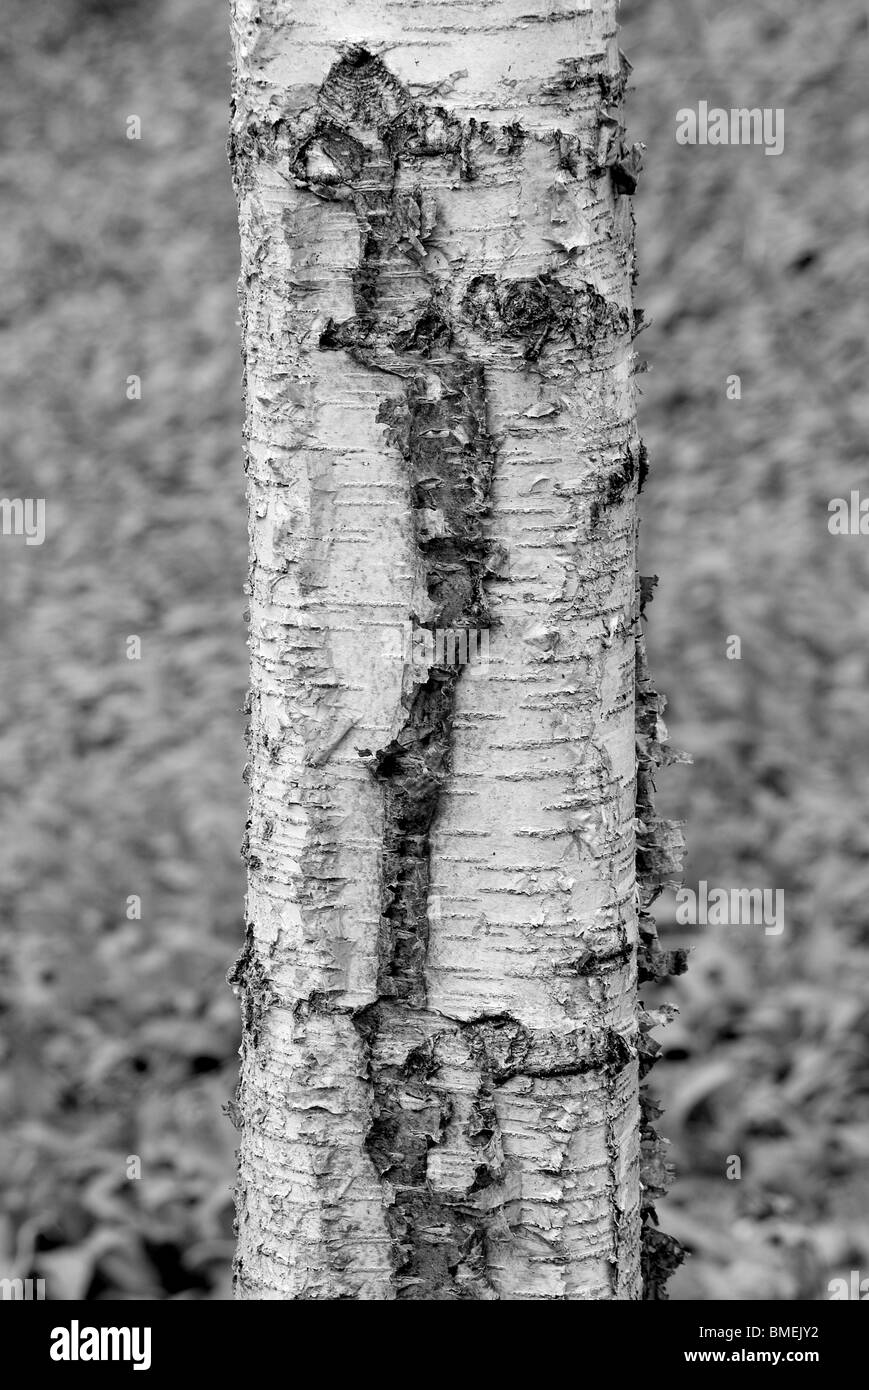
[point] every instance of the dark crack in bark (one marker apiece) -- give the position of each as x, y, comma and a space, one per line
364, 127
449, 459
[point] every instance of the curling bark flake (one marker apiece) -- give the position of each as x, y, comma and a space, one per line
439, 1093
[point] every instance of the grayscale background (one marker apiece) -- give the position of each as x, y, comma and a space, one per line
122, 779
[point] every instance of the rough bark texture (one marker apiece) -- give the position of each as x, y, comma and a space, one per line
440, 1073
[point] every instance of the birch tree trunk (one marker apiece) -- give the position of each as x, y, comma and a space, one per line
439, 1095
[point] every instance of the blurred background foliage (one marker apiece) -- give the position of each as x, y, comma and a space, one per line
122, 778
758, 266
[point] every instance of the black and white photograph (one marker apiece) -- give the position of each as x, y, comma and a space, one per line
434, 693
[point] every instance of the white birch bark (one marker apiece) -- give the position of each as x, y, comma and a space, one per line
439, 1093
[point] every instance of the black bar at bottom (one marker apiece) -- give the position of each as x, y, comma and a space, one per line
163, 1340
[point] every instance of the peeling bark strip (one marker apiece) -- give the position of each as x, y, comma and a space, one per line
439, 1090
660, 846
